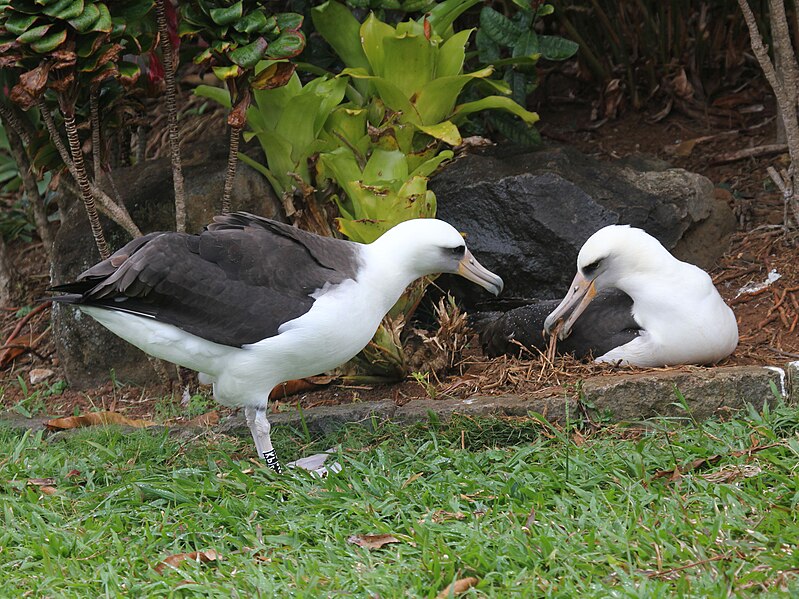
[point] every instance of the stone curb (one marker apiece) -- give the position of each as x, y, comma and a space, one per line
618, 398
705, 392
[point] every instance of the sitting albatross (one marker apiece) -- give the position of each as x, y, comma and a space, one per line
631, 302
250, 303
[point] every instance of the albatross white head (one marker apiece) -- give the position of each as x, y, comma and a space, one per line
617, 256
424, 246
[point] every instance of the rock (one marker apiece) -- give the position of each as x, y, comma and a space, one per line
89, 352
37, 375
707, 392
526, 215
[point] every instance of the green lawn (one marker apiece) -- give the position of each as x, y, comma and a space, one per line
524, 508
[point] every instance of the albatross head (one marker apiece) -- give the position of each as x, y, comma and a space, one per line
606, 260
426, 246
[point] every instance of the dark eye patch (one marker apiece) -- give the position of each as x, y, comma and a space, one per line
591, 268
457, 251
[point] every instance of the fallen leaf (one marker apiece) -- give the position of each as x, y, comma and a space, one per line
728, 474
48, 490
456, 588
72, 473
173, 561
97, 418
299, 385
372, 541
208, 419
440, 516
412, 478
41, 482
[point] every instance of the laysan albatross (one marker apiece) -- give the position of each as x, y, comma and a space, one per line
631, 303
250, 303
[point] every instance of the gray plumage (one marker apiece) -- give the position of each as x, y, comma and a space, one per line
234, 284
606, 323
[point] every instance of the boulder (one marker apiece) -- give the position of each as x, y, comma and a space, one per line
90, 353
527, 213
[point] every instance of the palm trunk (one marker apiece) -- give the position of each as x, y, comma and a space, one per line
94, 107
83, 183
230, 174
171, 104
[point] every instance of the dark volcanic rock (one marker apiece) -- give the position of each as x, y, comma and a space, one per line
88, 351
526, 215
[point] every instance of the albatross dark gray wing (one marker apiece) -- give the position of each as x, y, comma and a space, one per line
606, 323
233, 284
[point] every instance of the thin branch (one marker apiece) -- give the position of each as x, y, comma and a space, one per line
116, 212
172, 111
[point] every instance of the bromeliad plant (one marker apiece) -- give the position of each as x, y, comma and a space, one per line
238, 36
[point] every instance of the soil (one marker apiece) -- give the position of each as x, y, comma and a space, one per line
767, 318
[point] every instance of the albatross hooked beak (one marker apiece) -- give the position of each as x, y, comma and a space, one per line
471, 269
580, 294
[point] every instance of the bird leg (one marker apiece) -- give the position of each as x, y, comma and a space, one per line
260, 429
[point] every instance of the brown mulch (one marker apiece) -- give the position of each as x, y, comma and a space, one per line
768, 318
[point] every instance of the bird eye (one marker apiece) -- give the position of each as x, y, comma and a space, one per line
458, 250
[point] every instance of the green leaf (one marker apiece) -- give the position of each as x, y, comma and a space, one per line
83, 22
554, 47
253, 22
372, 35
498, 27
248, 56
545, 10
488, 51
526, 45
443, 14
33, 35
217, 94
288, 45
335, 23
445, 131
437, 100
49, 42
104, 23
408, 63
429, 166
385, 166
20, 23
227, 15
496, 103
226, 72
64, 9
289, 21
129, 72
452, 54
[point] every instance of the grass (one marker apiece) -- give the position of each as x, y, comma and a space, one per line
528, 509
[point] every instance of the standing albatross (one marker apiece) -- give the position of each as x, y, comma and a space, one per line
250, 303
632, 303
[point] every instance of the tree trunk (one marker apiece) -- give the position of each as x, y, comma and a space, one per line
97, 152
172, 110
6, 275
31, 190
